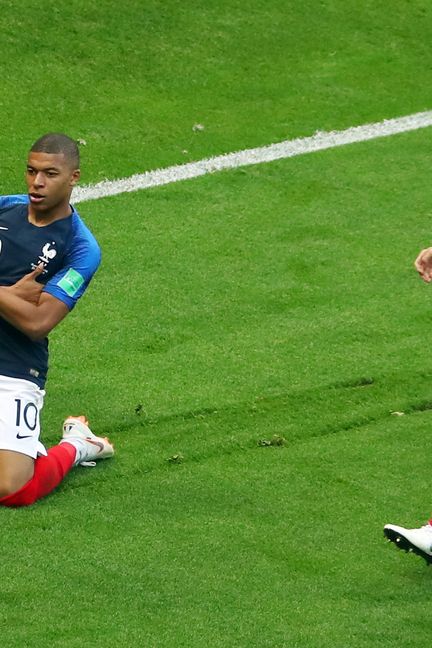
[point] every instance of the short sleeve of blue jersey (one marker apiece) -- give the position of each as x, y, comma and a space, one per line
81, 262
10, 201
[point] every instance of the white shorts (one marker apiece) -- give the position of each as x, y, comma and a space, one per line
21, 402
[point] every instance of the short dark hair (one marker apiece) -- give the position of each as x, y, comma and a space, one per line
58, 143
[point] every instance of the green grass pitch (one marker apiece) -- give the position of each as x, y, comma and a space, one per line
271, 302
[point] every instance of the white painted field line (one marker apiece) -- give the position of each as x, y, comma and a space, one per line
289, 148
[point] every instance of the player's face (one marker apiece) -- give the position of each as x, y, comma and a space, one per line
50, 180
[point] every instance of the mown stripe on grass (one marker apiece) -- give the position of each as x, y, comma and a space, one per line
286, 149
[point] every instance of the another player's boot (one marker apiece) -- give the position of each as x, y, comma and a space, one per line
89, 447
418, 541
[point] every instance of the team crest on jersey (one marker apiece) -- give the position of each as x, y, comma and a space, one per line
48, 253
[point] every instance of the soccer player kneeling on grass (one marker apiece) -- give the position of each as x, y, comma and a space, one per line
47, 259
419, 540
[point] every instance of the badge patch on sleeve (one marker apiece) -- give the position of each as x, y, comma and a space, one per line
71, 282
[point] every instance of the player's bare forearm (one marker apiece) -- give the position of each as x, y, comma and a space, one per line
34, 320
17, 311
27, 287
423, 264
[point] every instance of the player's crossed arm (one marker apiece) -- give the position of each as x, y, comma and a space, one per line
27, 308
27, 287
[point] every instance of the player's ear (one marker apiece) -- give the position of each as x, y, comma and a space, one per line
75, 177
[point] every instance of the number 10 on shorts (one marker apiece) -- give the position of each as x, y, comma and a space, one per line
27, 414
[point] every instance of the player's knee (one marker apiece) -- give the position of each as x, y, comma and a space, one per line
7, 485
16, 469
11, 482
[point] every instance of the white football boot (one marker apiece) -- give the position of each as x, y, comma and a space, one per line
418, 541
89, 447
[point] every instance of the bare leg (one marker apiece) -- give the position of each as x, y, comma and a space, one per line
16, 469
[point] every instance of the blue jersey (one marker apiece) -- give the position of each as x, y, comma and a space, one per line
70, 256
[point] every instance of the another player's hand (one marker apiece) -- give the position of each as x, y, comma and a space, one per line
27, 287
423, 264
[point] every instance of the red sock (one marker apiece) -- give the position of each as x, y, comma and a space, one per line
49, 471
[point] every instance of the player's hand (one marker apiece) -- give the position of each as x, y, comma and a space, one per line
423, 264
27, 287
